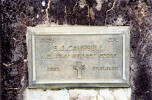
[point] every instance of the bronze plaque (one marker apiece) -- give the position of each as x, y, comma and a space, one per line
78, 56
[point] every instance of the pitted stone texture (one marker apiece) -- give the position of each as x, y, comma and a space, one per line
115, 94
37, 94
79, 94
17, 15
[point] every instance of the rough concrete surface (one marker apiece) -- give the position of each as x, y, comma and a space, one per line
17, 15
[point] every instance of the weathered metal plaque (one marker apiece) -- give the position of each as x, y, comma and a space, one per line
78, 56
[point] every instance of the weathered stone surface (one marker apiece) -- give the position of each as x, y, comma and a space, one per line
16, 15
81, 94
115, 94
46, 95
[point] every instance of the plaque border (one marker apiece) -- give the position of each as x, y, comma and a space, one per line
88, 30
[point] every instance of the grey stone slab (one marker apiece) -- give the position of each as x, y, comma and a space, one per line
78, 56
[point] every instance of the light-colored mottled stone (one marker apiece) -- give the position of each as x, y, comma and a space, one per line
37, 94
115, 94
119, 21
80, 94
99, 4
82, 3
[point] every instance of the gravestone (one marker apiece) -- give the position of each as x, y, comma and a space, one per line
78, 56
19, 15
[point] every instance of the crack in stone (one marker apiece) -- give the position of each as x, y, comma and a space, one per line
97, 95
7, 65
113, 5
11, 88
85, 4
74, 7
89, 15
65, 16
47, 14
